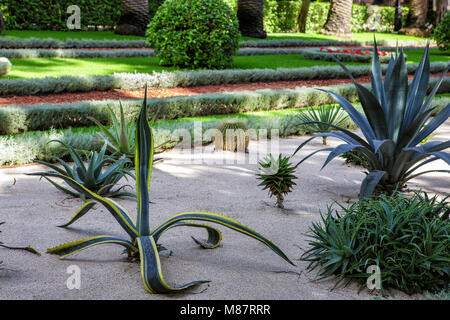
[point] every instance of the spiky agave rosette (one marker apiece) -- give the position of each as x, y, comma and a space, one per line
143, 239
395, 121
277, 177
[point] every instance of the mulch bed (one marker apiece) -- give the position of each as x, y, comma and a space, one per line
171, 92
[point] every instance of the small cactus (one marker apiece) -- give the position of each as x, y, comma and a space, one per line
277, 176
5, 66
234, 136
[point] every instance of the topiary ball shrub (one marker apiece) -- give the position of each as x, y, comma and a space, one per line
5, 66
194, 34
408, 238
441, 33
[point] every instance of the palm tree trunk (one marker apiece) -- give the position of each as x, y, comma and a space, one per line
2, 23
339, 18
417, 14
250, 15
303, 15
441, 10
134, 17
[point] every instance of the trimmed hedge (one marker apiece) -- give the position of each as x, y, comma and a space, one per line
52, 15
316, 54
16, 119
173, 79
75, 53
49, 43
24, 148
5, 66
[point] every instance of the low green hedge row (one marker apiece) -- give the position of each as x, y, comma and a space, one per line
49, 43
309, 53
26, 147
316, 54
16, 119
173, 79
74, 53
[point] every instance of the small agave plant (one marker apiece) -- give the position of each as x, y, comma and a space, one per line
277, 177
143, 242
329, 114
94, 177
396, 120
120, 138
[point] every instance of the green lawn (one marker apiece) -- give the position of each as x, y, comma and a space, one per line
52, 67
101, 35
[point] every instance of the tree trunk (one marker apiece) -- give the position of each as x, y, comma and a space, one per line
417, 14
303, 15
398, 16
339, 18
134, 17
441, 10
2, 23
250, 16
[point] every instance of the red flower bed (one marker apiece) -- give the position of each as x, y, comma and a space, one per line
360, 52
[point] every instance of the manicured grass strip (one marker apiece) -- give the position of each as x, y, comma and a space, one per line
58, 67
15, 119
26, 147
128, 81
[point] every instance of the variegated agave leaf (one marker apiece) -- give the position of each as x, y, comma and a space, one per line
144, 240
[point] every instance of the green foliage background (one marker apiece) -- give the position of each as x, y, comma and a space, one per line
279, 16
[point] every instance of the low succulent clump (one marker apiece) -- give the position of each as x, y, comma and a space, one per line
233, 135
407, 238
277, 177
96, 177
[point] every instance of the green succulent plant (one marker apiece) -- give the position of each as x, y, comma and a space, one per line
408, 238
96, 177
234, 135
143, 243
329, 114
277, 177
120, 137
396, 120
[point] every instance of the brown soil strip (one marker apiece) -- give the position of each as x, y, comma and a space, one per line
171, 92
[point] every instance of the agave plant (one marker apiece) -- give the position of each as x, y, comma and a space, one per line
120, 138
92, 177
396, 120
143, 243
277, 176
329, 114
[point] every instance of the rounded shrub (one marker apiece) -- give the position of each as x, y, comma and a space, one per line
441, 33
194, 34
5, 66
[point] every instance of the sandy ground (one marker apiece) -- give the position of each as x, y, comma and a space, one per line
241, 268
